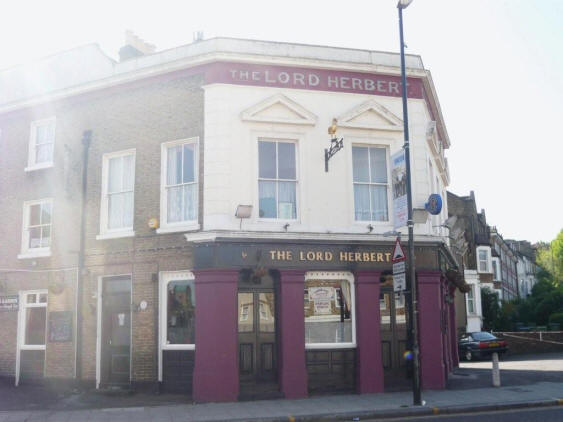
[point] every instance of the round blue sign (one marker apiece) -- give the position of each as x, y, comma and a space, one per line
434, 204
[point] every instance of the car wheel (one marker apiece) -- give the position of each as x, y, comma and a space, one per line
468, 355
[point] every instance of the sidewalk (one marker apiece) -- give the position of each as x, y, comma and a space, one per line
341, 407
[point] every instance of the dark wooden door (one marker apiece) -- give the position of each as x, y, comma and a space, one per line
116, 331
393, 329
257, 339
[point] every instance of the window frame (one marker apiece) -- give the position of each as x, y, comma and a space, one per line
334, 275
166, 277
23, 306
487, 251
32, 164
277, 140
26, 251
105, 231
471, 299
179, 226
388, 184
496, 274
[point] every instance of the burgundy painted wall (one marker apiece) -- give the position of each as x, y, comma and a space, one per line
453, 331
293, 372
216, 372
433, 371
369, 368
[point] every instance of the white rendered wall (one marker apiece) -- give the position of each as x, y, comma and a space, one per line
325, 201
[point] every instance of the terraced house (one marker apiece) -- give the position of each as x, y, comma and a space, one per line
173, 222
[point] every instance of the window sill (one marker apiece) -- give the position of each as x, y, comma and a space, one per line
178, 347
115, 235
324, 346
178, 229
34, 254
38, 167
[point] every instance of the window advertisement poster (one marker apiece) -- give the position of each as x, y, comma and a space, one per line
399, 181
321, 297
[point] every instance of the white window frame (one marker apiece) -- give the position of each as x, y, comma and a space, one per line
388, 184
105, 231
165, 277
26, 251
277, 140
32, 165
334, 275
496, 274
180, 226
472, 300
22, 315
487, 250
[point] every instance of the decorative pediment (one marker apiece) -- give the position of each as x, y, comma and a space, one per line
279, 109
370, 115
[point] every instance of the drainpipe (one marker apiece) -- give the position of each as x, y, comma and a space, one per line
86, 138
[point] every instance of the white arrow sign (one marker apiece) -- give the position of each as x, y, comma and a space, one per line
399, 282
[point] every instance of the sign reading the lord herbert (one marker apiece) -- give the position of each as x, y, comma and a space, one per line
9, 303
292, 256
311, 79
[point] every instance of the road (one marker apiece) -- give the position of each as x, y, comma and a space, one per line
543, 414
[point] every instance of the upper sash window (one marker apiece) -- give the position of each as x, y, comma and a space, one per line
277, 180
41, 144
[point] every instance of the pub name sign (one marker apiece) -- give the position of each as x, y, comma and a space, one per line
310, 256
328, 256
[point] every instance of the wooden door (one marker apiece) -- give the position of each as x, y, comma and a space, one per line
393, 330
116, 331
257, 337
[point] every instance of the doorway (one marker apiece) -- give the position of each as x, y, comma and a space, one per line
257, 343
393, 329
115, 361
31, 336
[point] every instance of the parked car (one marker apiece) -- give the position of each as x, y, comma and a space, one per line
480, 344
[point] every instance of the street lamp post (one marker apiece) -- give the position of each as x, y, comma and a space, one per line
411, 280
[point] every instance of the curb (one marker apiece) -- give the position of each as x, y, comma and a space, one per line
401, 413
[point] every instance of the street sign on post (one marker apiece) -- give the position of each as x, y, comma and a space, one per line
398, 258
398, 252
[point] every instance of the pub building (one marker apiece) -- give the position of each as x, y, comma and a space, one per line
176, 224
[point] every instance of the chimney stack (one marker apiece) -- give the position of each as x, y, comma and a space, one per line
134, 47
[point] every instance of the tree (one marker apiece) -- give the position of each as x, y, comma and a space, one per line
550, 258
491, 308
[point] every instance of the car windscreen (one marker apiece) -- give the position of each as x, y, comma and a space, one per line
483, 336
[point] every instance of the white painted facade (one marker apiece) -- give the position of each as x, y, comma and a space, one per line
237, 117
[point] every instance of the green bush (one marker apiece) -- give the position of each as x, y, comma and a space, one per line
556, 318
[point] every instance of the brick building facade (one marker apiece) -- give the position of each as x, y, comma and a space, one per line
176, 141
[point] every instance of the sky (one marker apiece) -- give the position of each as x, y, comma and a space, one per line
497, 66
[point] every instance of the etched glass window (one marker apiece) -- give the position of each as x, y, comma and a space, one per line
180, 315
328, 312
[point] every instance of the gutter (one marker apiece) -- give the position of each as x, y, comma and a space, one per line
86, 140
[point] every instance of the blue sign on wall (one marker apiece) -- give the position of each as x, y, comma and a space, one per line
434, 204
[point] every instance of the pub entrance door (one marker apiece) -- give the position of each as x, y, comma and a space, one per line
393, 331
257, 343
116, 331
